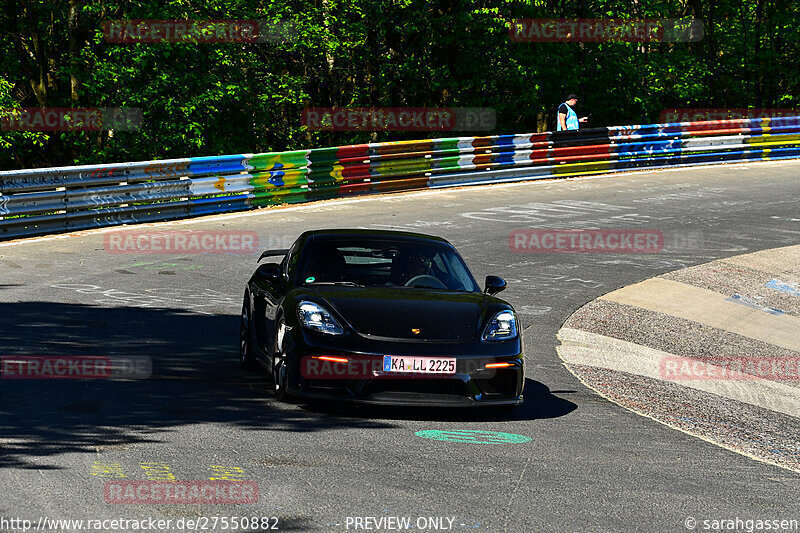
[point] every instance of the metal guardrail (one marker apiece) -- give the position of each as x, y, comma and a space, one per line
49, 200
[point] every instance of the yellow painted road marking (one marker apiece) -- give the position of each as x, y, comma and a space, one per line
160, 471
228, 473
157, 471
104, 469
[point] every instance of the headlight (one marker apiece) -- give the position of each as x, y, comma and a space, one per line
501, 327
316, 317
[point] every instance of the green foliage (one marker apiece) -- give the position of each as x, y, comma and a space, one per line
224, 98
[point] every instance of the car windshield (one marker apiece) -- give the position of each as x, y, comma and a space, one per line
386, 263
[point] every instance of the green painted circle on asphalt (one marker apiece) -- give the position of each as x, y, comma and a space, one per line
474, 436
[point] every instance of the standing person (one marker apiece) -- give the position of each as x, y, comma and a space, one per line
567, 118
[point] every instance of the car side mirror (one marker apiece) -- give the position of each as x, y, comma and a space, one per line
494, 284
270, 272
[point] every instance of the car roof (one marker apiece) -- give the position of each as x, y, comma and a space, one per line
320, 234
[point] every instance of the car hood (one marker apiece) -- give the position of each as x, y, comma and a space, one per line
408, 313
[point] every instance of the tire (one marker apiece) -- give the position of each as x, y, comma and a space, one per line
246, 359
280, 377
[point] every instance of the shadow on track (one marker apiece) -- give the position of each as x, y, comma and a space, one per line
196, 378
539, 403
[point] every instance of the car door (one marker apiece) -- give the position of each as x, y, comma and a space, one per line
269, 287
274, 294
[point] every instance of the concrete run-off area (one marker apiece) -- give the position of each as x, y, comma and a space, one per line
712, 350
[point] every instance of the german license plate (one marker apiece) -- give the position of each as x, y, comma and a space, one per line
419, 365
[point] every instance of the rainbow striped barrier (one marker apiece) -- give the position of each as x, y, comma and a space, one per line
49, 200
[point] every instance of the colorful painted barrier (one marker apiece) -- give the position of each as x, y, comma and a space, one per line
49, 200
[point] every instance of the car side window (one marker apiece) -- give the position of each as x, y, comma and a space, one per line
459, 276
439, 264
289, 263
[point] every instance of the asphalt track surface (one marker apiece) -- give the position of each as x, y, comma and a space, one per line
589, 465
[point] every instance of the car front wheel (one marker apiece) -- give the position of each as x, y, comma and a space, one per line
246, 359
280, 377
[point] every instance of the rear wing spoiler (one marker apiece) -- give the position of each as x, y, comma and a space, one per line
272, 253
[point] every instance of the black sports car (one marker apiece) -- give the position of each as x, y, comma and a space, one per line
381, 317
